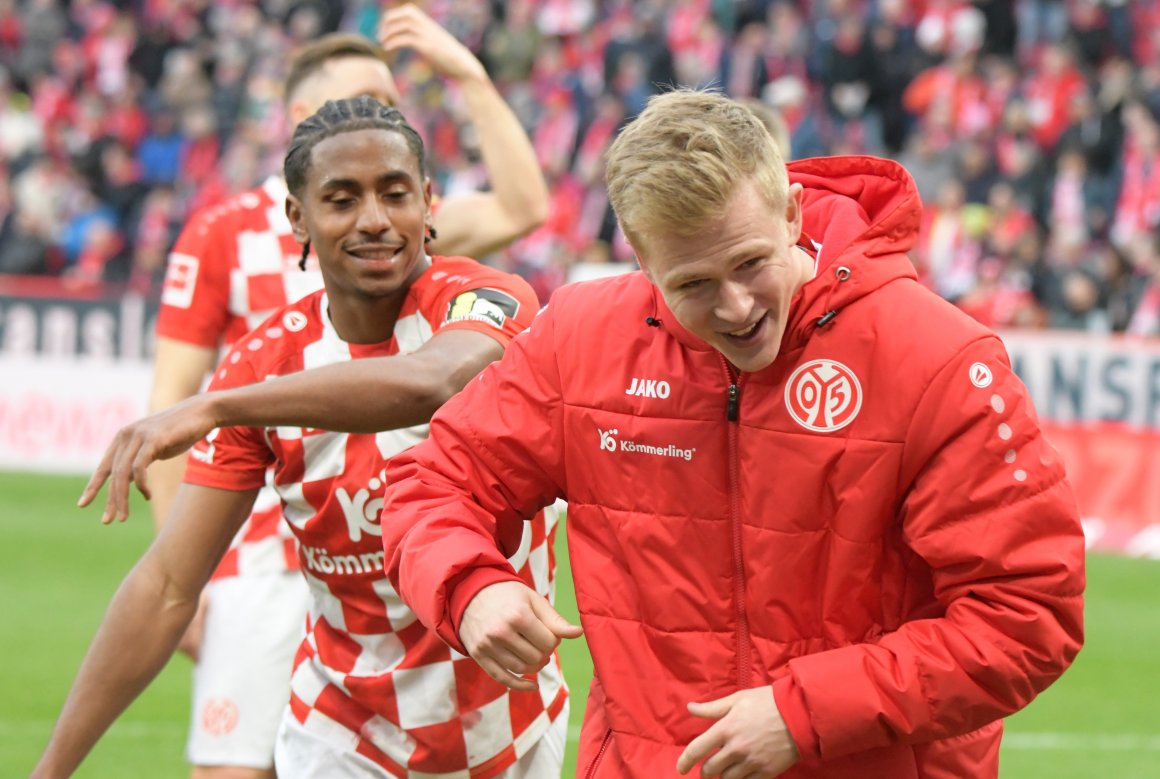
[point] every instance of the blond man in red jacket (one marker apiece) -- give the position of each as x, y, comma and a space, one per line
814, 527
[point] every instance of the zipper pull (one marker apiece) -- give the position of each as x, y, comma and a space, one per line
731, 408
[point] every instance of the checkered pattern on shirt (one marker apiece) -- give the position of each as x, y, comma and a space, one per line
369, 677
232, 267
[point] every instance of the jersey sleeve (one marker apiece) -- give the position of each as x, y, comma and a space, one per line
487, 301
231, 458
196, 291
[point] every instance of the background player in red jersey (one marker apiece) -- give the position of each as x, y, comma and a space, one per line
374, 693
232, 266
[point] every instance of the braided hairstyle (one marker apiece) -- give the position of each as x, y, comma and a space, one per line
343, 116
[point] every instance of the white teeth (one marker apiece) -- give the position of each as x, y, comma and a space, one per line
745, 332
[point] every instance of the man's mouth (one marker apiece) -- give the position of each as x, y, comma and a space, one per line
749, 333
376, 252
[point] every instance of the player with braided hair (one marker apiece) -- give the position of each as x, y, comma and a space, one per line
345, 116
233, 265
374, 693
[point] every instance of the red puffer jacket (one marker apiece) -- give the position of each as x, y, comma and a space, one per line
873, 524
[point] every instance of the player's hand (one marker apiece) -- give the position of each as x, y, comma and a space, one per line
409, 27
190, 643
158, 437
510, 630
749, 740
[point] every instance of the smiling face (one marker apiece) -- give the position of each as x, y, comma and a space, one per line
731, 284
363, 208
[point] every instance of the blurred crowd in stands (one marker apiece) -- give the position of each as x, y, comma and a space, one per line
1032, 128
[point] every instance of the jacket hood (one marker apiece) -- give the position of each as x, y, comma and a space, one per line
864, 214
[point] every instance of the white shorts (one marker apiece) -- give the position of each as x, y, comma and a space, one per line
241, 683
300, 754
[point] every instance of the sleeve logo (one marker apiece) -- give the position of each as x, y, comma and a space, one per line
180, 281
483, 305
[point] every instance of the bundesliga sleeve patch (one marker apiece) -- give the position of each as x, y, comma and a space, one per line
180, 281
483, 305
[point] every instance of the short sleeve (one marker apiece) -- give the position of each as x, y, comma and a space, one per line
485, 300
231, 458
195, 294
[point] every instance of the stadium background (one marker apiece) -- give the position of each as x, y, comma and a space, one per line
1031, 128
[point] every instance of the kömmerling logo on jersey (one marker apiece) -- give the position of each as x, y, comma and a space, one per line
823, 396
609, 442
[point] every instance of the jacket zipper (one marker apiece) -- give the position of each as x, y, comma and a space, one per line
733, 414
591, 772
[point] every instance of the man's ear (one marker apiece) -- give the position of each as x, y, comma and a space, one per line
643, 268
637, 255
297, 111
793, 212
297, 219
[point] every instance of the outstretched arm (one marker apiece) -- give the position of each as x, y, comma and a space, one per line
360, 396
145, 620
474, 225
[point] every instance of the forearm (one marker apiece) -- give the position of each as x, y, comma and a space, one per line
141, 629
516, 179
360, 396
164, 479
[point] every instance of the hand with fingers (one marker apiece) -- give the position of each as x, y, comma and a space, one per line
157, 437
749, 739
409, 27
511, 631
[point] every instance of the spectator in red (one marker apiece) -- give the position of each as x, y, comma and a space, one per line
1138, 205
1049, 91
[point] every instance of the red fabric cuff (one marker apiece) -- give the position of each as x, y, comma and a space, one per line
466, 587
791, 703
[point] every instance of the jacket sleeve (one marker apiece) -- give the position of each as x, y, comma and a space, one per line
984, 502
455, 504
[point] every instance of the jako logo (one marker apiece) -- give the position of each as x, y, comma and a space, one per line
823, 396
648, 388
362, 511
609, 441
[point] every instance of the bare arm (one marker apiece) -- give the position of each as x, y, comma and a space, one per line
360, 396
145, 620
178, 371
477, 224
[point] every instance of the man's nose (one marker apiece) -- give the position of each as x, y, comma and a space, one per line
734, 303
373, 218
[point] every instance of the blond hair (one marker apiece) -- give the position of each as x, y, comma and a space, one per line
675, 167
774, 122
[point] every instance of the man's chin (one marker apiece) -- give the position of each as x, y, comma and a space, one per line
749, 360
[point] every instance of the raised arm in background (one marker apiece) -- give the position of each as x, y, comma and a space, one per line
476, 224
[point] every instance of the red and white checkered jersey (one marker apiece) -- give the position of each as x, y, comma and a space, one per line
369, 677
232, 267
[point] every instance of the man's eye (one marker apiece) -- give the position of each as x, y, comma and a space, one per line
692, 284
750, 263
342, 202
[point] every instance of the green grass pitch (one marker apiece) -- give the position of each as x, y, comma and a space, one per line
59, 567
